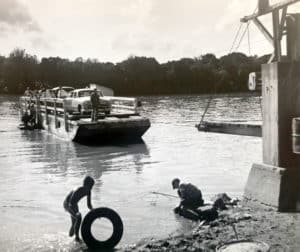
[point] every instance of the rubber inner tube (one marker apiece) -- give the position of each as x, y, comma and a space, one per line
88, 220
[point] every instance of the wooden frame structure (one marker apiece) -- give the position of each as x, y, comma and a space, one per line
279, 15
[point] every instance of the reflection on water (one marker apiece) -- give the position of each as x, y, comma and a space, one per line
64, 157
38, 170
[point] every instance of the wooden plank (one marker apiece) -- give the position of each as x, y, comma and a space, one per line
282, 22
269, 9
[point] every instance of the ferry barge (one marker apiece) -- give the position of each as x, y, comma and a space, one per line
121, 123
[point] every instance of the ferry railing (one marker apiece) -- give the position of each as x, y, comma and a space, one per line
57, 108
119, 104
53, 106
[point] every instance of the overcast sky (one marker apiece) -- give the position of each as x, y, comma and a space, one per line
112, 30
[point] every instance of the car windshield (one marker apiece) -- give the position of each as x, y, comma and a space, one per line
84, 93
68, 89
88, 93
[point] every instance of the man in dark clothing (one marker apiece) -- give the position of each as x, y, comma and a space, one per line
95, 100
71, 204
190, 195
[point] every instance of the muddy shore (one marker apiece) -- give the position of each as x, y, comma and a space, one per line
281, 231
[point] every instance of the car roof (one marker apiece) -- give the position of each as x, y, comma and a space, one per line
82, 89
63, 87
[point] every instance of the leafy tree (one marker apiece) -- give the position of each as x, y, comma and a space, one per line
133, 76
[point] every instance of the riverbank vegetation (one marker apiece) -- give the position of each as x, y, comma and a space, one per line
133, 76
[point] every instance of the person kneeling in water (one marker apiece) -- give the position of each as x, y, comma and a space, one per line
71, 204
190, 196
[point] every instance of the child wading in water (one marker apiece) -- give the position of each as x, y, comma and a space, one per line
71, 204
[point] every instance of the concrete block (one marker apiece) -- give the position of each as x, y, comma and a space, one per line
281, 103
274, 186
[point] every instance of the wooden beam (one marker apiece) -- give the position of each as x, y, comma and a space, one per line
269, 9
276, 35
282, 22
264, 30
271, 58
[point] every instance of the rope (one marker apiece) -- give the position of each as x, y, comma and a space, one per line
249, 45
232, 46
236, 36
205, 111
242, 37
165, 194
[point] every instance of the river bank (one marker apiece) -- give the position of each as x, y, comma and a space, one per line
281, 231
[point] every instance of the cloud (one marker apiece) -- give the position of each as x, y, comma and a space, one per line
40, 42
14, 14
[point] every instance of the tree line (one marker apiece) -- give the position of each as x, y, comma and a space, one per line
133, 76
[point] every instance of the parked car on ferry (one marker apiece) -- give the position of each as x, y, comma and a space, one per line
79, 101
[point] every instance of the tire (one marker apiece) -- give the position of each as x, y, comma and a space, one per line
88, 220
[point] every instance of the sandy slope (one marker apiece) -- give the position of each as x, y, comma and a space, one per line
281, 231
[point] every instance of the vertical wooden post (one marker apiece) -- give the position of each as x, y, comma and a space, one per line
135, 105
46, 112
21, 107
293, 37
38, 112
276, 35
55, 114
65, 117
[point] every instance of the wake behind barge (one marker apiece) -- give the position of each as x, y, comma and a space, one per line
123, 123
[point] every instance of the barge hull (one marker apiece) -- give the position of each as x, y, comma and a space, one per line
111, 129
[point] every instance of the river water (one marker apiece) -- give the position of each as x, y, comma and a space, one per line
37, 170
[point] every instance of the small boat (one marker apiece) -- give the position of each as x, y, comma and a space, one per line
122, 122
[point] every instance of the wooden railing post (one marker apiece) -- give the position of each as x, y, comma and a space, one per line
135, 105
38, 112
46, 112
65, 117
55, 114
